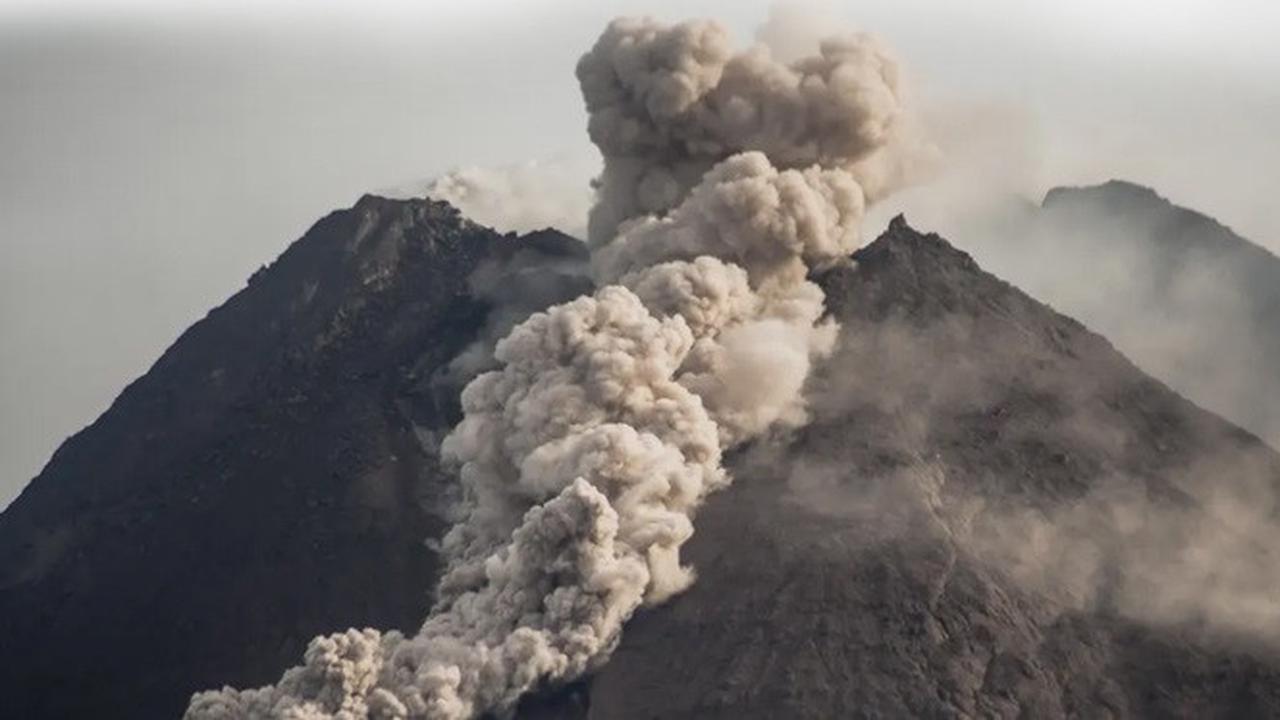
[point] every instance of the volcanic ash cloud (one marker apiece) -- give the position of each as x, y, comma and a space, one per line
584, 456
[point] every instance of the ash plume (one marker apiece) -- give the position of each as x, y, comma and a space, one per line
585, 454
667, 103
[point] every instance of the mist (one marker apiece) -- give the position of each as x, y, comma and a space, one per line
1181, 295
1180, 534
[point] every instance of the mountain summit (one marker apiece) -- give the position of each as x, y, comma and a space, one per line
990, 513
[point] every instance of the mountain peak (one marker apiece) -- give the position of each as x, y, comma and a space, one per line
439, 210
1189, 300
903, 244
1148, 216
1118, 190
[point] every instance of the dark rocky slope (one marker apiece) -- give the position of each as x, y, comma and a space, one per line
274, 477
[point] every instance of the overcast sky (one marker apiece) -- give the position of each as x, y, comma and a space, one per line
152, 155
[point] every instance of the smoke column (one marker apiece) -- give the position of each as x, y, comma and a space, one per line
584, 456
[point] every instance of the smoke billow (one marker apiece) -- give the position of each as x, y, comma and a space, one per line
584, 455
666, 104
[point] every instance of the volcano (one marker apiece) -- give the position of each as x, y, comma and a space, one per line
992, 512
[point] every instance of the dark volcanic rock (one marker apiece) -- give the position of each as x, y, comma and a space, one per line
274, 476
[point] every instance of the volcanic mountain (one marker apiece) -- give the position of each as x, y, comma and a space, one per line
1188, 299
991, 513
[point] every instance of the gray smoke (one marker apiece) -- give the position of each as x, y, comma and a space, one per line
584, 455
666, 104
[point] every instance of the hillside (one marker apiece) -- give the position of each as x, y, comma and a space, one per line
272, 476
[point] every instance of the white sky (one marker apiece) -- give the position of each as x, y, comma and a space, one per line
153, 154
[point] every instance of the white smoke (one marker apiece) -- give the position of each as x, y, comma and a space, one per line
584, 456
533, 195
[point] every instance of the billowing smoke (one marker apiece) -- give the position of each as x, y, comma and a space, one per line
666, 104
584, 455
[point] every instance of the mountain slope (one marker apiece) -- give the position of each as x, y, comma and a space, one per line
971, 525
877, 563
267, 480
1192, 302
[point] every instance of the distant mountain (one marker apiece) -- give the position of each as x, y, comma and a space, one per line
1190, 301
992, 513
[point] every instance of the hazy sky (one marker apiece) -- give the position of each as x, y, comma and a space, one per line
152, 155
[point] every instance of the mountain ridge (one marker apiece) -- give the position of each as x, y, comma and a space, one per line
1190, 300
